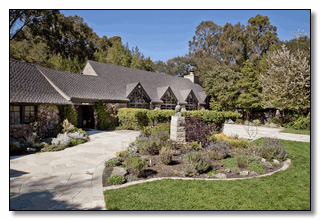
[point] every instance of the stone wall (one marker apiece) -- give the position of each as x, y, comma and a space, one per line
48, 117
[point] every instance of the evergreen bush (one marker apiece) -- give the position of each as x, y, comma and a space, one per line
68, 112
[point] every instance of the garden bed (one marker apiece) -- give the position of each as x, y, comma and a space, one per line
179, 162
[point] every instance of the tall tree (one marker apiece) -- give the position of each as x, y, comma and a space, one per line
259, 36
221, 85
250, 88
286, 84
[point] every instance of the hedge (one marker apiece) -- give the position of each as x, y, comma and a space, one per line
134, 119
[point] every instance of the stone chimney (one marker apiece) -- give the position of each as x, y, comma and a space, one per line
192, 77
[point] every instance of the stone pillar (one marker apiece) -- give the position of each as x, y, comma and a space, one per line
157, 107
177, 131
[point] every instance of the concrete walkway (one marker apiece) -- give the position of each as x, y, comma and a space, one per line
241, 130
65, 180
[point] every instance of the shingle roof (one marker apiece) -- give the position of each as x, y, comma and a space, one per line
28, 85
120, 76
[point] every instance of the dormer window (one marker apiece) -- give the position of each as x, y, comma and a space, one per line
192, 102
169, 100
139, 98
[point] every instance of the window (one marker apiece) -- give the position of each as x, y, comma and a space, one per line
169, 100
139, 98
21, 114
14, 114
28, 112
192, 102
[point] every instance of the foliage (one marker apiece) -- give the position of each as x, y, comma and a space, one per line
61, 139
194, 145
257, 167
286, 84
218, 151
117, 180
239, 121
248, 83
272, 149
302, 123
68, 112
221, 85
128, 118
165, 155
256, 122
67, 126
233, 143
131, 178
31, 140
151, 145
160, 116
74, 142
116, 161
164, 127
15, 149
103, 115
241, 162
198, 161
135, 165
197, 130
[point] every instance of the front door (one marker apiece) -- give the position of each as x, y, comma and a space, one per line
85, 116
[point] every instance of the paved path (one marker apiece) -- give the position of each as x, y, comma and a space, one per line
68, 179
241, 130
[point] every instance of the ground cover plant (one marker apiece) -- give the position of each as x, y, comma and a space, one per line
273, 192
295, 131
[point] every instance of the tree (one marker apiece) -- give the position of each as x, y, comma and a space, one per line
259, 36
20, 19
204, 42
286, 84
136, 59
250, 89
221, 85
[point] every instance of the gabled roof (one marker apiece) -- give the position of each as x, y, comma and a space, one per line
28, 85
122, 76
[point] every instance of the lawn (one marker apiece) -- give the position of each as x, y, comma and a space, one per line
284, 190
294, 131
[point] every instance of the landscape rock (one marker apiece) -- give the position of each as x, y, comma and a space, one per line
118, 171
268, 165
263, 160
228, 170
230, 121
253, 173
244, 173
256, 158
220, 176
29, 149
276, 162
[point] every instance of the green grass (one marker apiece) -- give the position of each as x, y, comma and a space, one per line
284, 190
294, 131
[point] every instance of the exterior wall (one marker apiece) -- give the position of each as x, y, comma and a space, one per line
88, 70
50, 118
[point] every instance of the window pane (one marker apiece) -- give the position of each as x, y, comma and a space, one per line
16, 108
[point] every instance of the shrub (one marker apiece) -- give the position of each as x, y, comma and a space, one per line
102, 115
218, 151
256, 122
239, 121
68, 112
198, 161
302, 123
117, 180
75, 142
67, 126
76, 135
197, 130
234, 143
161, 135
75, 129
116, 161
61, 139
256, 166
135, 165
14, 149
272, 149
30, 140
241, 162
131, 178
165, 155
163, 116
164, 127
194, 145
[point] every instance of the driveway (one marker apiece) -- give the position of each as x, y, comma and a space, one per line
241, 130
65, 180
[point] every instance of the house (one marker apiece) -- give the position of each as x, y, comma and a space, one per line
35, 88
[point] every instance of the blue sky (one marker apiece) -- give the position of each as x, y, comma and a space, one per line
164, 34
